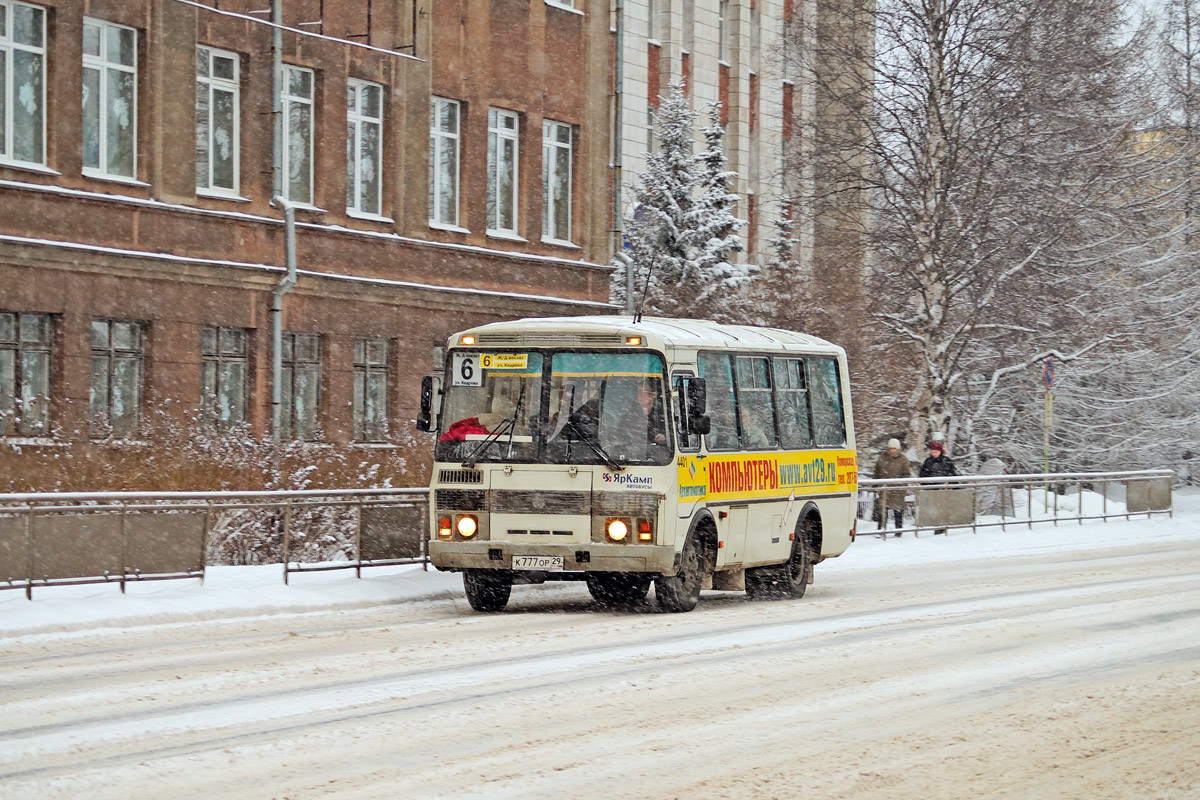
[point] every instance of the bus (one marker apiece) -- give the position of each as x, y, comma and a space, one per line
677, 453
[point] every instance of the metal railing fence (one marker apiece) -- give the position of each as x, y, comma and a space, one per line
985, 501
55, 539
49, 539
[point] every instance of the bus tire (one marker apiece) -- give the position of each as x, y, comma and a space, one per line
779, 581
796, 568
487, 589
680, 592
613, 589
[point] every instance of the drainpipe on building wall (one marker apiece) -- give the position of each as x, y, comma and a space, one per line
289, 217
285, 286
618, 99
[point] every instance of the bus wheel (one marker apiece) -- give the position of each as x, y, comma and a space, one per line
778, 581
611, 589
487, 589
681, 592
796, 569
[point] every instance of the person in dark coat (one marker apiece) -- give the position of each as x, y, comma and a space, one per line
938, 465
890, 465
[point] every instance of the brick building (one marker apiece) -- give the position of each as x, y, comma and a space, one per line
449, 161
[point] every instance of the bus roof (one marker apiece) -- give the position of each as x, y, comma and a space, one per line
660, 333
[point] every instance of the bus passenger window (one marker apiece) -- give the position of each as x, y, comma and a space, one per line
791, 399
829, 430
754, 403
722, 405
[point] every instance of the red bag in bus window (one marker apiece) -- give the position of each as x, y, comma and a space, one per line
459, 431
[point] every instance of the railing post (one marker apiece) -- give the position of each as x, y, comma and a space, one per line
1029, 503
1003, 513
124, 547
287, 531
29, 553
1104, 500
204, 539
358, 539
1080, 501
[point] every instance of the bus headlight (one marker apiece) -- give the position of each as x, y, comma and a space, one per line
617, 530
467, 526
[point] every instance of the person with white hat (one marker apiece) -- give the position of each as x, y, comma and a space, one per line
890, 465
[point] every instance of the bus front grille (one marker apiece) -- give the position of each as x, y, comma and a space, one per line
461, 500
460, 476
535, 502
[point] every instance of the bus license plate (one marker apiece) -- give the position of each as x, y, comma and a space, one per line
537, 562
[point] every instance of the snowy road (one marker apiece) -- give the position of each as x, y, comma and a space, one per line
1061, 675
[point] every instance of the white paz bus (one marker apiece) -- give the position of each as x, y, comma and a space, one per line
682, 453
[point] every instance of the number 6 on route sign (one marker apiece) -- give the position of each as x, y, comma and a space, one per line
466, 370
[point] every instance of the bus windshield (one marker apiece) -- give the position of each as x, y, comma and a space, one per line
559, 408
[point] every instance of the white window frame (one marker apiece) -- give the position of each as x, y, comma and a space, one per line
7, 91
723, 31
210, 84
550, 146
103, 66
358, 119
497, 133
438, 141
567, 5
287, 99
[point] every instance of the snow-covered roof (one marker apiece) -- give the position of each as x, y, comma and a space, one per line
659, 333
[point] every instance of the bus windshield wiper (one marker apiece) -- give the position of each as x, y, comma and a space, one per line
591, 442
507, 425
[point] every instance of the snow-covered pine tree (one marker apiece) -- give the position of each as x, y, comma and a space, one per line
779, 294
682, 228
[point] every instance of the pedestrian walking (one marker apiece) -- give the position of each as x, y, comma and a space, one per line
890, 465
937, 465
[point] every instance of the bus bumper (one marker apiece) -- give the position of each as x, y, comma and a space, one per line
577, 557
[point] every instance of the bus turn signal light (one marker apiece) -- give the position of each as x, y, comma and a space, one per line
444, 528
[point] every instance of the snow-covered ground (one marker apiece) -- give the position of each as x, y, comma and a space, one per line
1059, 662
249, 591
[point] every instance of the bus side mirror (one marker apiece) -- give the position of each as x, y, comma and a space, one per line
694, 401
430, 388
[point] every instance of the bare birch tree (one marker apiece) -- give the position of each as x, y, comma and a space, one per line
990, 131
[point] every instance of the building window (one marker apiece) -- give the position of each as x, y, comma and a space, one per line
651, 20
109, 99
556, 181
364, 147
297, 104
116, 395
24, 374
301, 384
788, 91
502, 171
572, 4
723, 30
218, 121
22, 83
370, 389
223, 376
443, 161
